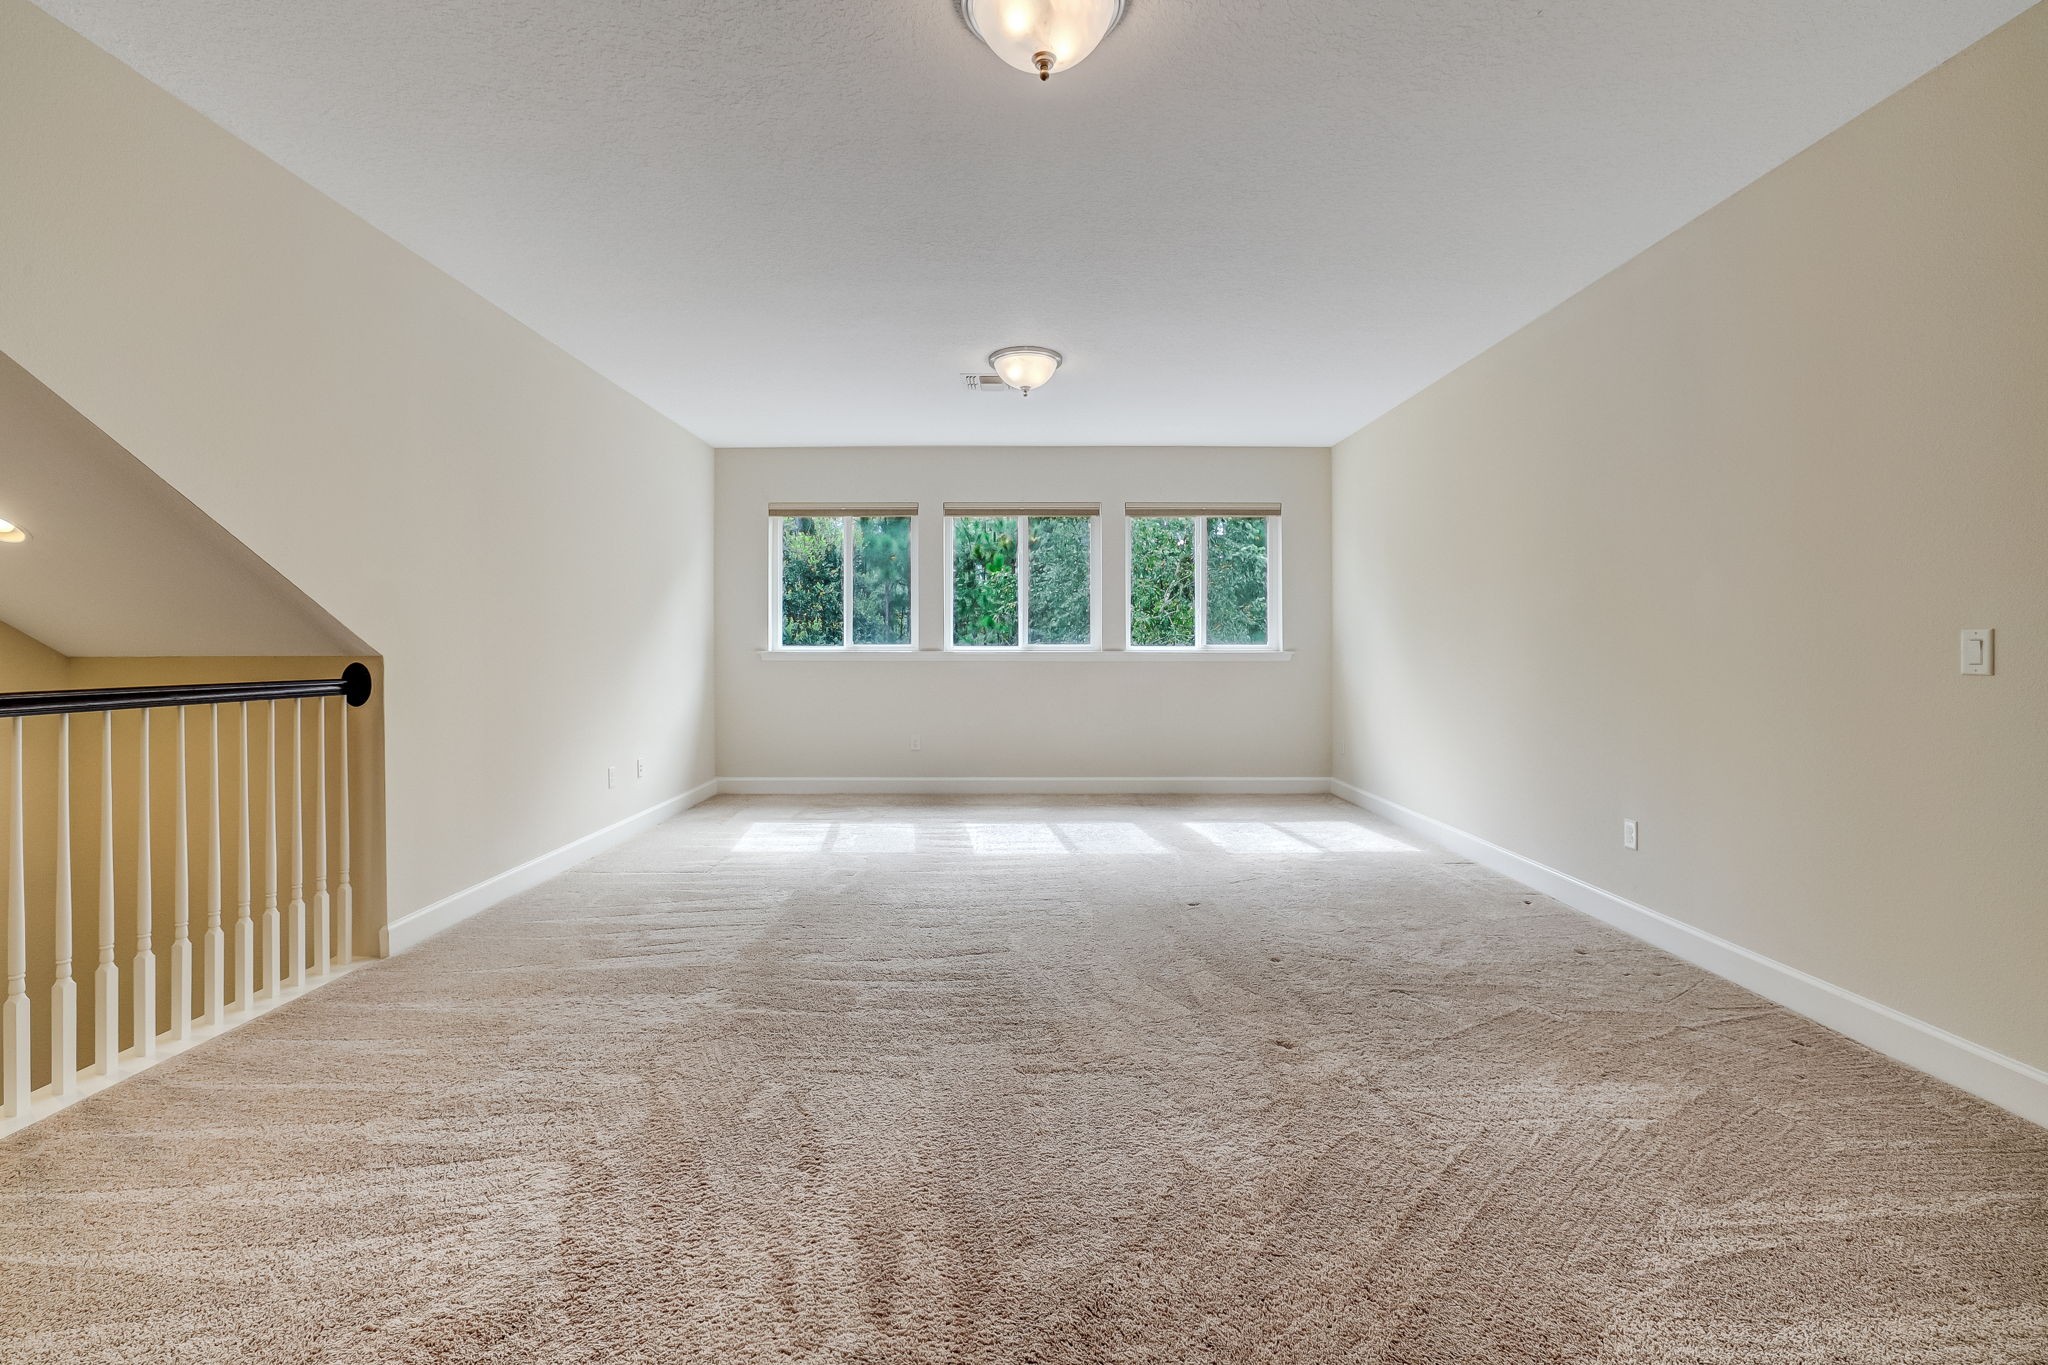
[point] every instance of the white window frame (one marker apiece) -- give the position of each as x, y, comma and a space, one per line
1201, 550
1024, 645
846, 539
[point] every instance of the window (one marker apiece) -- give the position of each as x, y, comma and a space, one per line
1021, 577
843, 577
1200, 578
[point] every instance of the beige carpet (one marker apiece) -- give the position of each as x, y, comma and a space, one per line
1057, 1081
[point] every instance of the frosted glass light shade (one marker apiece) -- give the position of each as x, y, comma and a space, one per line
1042, 36
1024, 367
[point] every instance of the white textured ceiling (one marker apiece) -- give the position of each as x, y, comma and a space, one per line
1244, 221
117, 564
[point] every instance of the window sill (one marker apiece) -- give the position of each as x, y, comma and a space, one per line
1072, 656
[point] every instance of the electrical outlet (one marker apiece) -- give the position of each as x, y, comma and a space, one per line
639, 767
916, 743
611, 776
1628, 834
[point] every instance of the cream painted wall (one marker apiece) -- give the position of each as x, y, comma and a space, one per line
526, 546
1036, 717
117, 563
29, 665
1695, 549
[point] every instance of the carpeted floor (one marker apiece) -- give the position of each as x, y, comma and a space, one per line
1050, 1080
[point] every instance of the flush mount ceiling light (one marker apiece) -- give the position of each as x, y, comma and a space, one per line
1041, 36
1024, 368
10, 533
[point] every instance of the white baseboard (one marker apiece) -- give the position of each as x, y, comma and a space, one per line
2004, 1081
423, 923
1019, 786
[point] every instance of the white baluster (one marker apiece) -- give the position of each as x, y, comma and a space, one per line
181, 907
63, 991
145, 911
295, 973
245, 928
323, 947
272, 949
215, 970
345, 898
106, 978
14, 1015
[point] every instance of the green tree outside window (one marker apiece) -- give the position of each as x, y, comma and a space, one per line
1232, 551
1237, 580
881, 581
985, 581
813, 581
1060, 594
1163, 581
816, 590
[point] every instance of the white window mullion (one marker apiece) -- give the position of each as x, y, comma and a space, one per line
1023, 582
1201, 582
1095, 634
1130, 586
775, 582
946, 567
1272, 582
916, 588
846, 525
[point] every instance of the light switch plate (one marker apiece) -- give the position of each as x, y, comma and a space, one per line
1976, 647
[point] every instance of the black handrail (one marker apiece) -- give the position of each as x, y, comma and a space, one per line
353, 686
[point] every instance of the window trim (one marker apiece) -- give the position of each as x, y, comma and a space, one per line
1202, 644
1024, 644
846, 537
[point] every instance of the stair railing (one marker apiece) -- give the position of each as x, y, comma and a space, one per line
287, 947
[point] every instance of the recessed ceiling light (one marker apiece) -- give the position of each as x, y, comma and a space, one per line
1041, 36
1024, 368
10, 533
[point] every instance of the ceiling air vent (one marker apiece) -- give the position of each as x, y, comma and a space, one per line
986, 383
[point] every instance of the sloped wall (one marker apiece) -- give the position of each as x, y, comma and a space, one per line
527, 547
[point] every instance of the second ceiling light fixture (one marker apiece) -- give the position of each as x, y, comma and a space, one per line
1024, 368
1041, 36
